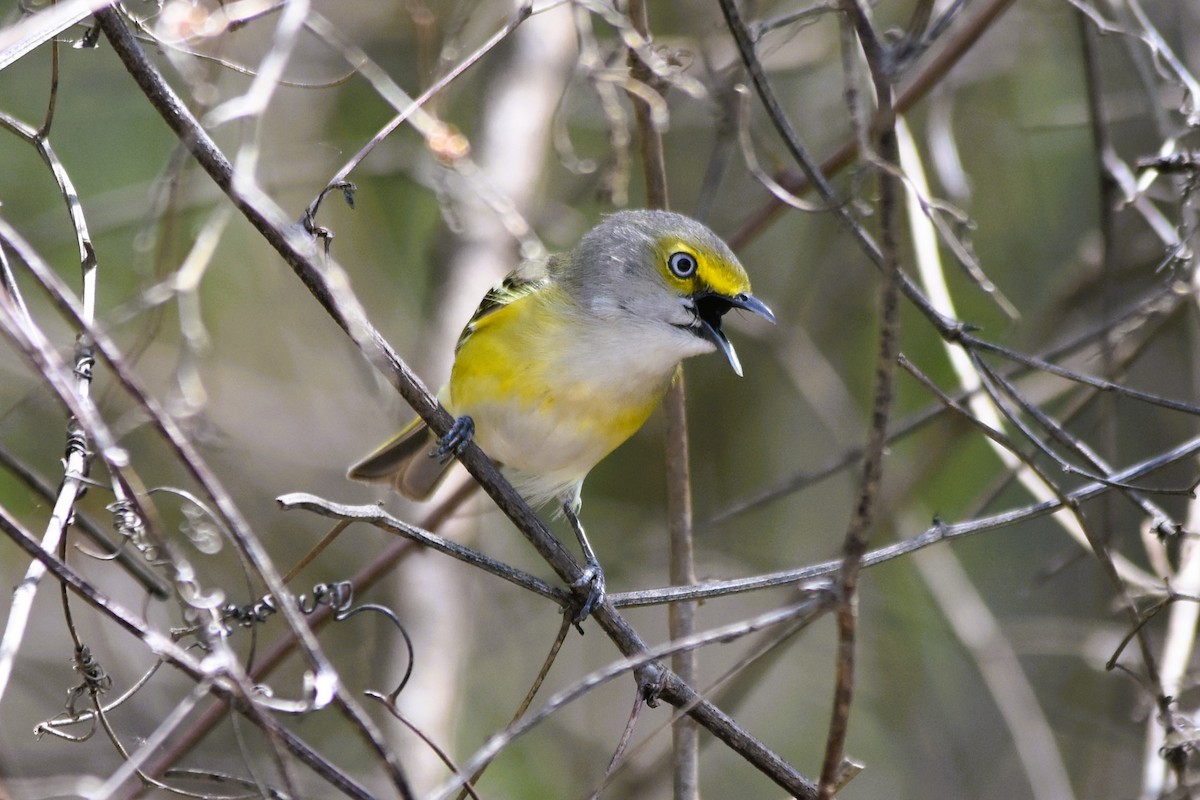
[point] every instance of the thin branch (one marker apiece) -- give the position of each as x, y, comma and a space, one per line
883, 134
807, 607
163, 647
375, 571
939, 531
381, 519
931, 74
1163, 301
335, 297
125, 556
36, 29
324, 678
975, 343
131, 762
36, 349
78, 456
432, 129
685, 738
783, 126
815, 175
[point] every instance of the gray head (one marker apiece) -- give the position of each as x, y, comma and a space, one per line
659, 269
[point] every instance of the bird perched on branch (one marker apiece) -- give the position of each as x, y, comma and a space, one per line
568, 356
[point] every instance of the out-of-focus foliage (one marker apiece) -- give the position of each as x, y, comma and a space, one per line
278, 400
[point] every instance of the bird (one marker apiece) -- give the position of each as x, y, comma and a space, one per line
568, 356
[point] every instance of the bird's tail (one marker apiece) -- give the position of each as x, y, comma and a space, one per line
405, 463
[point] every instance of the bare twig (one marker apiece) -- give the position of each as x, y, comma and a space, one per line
938, 66
264, 665
376, 516
125, 556
429, 126
42, 26
939, 531
681, 616
175, 655
883, 134
1160, 303
78, 457
815, 177
806, 607
300, 254
117, 459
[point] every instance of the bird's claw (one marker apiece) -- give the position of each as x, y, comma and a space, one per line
652, 682
456, 439
593, 579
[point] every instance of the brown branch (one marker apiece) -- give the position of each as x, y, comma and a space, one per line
811, 606
1108, 200
342, 176
173, 654
301, 254
855, 544
937, 532
380, 567
1162, 303
685, 739
39, 140
914, 91
814, 175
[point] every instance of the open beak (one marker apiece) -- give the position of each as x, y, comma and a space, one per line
709, 310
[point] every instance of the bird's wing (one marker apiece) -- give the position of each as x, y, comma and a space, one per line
525, 280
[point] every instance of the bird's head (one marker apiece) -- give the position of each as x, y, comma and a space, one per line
663, 270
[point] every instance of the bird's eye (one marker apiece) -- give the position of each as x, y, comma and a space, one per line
683, 265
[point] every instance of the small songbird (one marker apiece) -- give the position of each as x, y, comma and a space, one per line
568, 356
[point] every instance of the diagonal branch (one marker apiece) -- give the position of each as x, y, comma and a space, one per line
329, 286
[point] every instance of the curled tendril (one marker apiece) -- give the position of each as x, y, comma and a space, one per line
203, 534
338, 596
85, 364
130, 525
76, 443
408, 645
202, 525
96, 681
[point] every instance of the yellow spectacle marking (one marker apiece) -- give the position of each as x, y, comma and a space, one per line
714, 272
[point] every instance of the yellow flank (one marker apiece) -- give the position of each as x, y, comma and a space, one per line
501, 356
523, 376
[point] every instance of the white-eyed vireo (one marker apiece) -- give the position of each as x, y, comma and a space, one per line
567, 357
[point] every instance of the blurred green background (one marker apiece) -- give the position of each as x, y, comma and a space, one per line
279, 400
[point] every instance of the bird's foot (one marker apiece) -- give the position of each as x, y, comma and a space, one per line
593, 580
651, 681
457, 438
